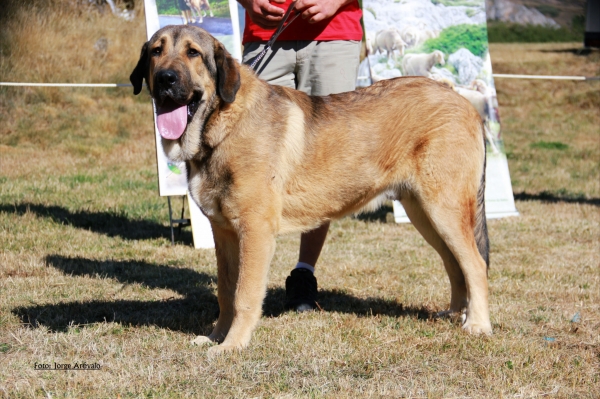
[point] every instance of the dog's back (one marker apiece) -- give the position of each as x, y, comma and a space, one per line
352, 147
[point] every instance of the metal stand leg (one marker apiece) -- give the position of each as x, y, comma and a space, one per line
180, 222
182, 212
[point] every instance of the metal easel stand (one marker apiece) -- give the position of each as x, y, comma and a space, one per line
181, 222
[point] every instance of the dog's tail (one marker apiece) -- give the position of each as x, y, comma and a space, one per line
481, 231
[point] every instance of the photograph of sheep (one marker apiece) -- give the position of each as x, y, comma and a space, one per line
445, 41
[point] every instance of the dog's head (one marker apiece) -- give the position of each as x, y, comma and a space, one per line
187, 72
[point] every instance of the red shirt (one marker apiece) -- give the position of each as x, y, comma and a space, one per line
344, 25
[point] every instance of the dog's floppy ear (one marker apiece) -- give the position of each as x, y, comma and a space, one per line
140, 70
228, 74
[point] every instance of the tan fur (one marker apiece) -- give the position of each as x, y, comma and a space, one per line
272, 159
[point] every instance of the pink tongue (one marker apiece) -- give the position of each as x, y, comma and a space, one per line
171, 120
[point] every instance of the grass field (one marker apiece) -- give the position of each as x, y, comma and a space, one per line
87, 272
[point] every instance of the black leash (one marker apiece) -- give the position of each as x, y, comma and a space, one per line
280, 28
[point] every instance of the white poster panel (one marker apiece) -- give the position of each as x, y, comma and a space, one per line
201, 229
444, 40
220, 18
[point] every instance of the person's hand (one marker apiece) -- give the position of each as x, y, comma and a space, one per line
263, 13
318, 10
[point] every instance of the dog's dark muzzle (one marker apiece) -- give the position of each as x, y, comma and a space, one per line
169, 84
166, 78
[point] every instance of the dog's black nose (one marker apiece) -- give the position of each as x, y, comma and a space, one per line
166, 78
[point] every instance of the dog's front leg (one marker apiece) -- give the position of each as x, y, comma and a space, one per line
242, 285
227, 248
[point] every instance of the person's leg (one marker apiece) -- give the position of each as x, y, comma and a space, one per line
278, 67
323, 68
328, 67
301, 284
311, 244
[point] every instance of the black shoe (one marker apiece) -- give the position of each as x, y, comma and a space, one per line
301, 291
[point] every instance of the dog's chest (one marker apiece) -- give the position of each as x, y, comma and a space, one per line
206, 193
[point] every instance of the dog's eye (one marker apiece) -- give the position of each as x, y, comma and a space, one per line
157, 51
193, 52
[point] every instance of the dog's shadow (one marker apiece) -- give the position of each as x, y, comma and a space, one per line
111, 224
194, 313
580, 51
553, 198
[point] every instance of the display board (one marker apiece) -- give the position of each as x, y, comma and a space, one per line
220, 19
444, 40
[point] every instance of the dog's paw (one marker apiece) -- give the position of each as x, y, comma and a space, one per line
452, 315
202, 340
477, 328
223, 349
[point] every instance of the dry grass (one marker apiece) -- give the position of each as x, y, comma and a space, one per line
87, 272
65, 43
551, 127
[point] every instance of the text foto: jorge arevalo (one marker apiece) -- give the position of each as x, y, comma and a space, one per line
67, 366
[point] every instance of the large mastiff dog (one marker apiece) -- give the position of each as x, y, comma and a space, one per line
264, 160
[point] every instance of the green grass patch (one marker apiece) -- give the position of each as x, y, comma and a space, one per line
550, 145
220, 8
79, 179
455, 3
548, 10
471, 37
502, 32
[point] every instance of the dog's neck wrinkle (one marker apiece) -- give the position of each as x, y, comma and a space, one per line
249, 82
219, 125
222, 124
209, 122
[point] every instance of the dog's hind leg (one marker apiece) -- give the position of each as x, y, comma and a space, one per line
454, 223
421, 222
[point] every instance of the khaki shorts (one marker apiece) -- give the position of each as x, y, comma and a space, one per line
316, 68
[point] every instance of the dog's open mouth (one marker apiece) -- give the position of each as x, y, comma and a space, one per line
172, 117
